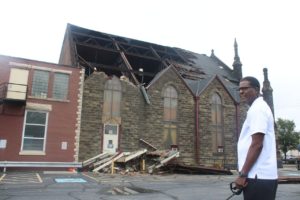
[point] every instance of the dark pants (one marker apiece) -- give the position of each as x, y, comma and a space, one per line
260, 189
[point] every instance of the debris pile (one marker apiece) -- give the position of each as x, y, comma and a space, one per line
144, 161
129, 162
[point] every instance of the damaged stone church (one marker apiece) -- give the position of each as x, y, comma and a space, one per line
140, 95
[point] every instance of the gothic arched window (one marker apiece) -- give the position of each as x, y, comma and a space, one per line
170, 97
170, 103
217, 123
112, 98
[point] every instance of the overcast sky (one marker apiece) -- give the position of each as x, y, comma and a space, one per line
267, 32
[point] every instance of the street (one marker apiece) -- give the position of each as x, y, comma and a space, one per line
86, 185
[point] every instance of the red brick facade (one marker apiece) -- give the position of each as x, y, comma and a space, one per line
61, 135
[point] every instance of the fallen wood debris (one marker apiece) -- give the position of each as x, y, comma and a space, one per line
94, 159
104, 160
186, 169
129, 162
109, 162
165, 157
288, 180
131, 155
148, 144
143, 160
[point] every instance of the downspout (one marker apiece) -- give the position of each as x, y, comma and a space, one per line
237, 122
197, 145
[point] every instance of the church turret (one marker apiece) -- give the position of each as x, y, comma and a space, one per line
237, 65
267, 90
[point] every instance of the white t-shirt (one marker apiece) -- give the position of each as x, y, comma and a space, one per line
259, 120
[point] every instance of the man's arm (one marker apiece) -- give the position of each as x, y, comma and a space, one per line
253, 152
252, 155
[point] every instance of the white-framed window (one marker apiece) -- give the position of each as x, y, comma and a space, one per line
40, 83
60, 86
34, 131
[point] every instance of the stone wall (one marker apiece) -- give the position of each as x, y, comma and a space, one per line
91, 124
140, 120
185, 116
207, 156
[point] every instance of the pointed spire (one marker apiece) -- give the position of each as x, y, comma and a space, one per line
236, 54
237, 65
212, 53
267, 90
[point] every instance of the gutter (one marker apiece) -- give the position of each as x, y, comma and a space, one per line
197, 145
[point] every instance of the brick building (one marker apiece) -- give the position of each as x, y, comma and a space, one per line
40, 108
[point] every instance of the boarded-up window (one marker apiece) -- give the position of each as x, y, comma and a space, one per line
40, 84
60, 86
217, 123
170, 103
112, 98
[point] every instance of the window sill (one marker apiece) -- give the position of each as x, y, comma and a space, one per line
218, 154
49, 99
32, 153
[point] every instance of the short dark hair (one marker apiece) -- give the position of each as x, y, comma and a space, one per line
253, 81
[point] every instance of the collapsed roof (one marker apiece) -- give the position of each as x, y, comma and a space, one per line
141, 61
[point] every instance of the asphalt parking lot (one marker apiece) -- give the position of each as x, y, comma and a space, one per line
46, 185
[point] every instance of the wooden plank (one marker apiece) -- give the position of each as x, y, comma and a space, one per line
132, 156
103, 161
108, 162
150, 145
93, 159
166, 160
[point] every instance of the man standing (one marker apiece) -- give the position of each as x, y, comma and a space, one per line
257, 162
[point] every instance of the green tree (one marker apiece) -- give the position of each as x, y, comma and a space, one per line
288, 138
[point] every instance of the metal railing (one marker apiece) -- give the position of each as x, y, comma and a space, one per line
5, 164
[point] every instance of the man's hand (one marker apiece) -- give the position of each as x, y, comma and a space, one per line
241, 182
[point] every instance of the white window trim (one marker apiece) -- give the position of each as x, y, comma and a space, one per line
24, 65
33, 152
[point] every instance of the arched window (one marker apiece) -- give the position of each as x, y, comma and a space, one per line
112, 98
170, 114
217, 123
170, 103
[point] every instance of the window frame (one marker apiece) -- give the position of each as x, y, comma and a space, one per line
112, 107
36, 83
24, 129
66, 89
217, 123
170, 103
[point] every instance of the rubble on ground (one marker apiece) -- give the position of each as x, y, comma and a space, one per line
144, 161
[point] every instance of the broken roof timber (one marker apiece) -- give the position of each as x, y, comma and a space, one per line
93, 159
132, 156
109, 162
147, 143
171, 155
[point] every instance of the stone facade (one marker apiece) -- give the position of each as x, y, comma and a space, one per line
185, 122
139, 120
207, 156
